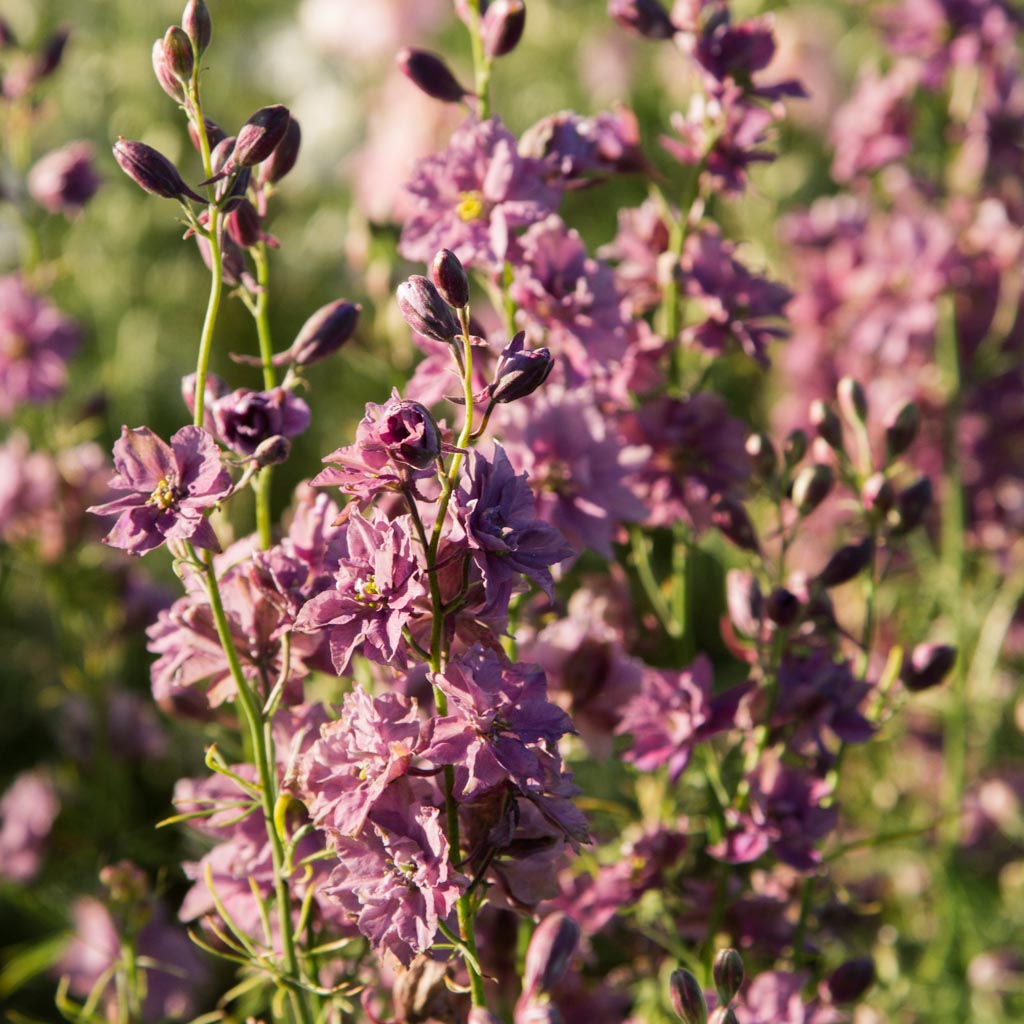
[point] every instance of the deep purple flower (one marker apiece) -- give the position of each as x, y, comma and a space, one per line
171, 487
376, 587
395, 880
502, 529
65, 180
36, 342
28, 810
244, 418
468, 198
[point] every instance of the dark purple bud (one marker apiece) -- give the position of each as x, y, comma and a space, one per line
260, 135
782, 606
449, 277
827, 424
762, 454
902, 429
877, 494
912, 504
849, 561
502, 27
282, 160
730, 517
7, 36
272, 452
551, 947
687, 997
214, 134
178, 56
728, 974
852, 400
197, 25
50, 55
849, 981
646, 18
811, 487
430, 74
152, 171
243, 224
927, 665
409, 433
425, 311
244, 419
165, 73
324, 332
230, 188
794, 448
520, 373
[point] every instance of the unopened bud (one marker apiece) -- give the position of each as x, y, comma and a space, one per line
811, 487
520, 373
165, 74
646, 18
7, 36
197, 25
51, 54
762, 455
912, 504
902, 429
282, 160
849, 981
272, 451
449, 277
730, 517
260, 135
425, 311
409, 433
728, 974
324, 332
178, 54
852, 400
687, 997
827, 424
502, 27
152, 171
927, 665
430, 74
849, 561
782, 606
214, 133
794, 448
551, 947
243, 224
877, 494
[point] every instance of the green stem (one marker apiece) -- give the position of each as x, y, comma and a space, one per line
481, 63
261, 315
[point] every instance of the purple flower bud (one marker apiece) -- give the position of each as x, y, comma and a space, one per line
449, 277
730, 517
165, 73
646, 18
687, 997
409, 434
197, 25
430, 74
51, 54
7, 36
927, 665
782, 606
811, 487
827, 424
259, 136
425, 311
214, 133
849, 981
245, 419
902, 429
152, 171
877, 494
282, 160
551, 947
762, 455
502, 27
852, 400
794, 448
272, 452
520, 373
728, 974
64, 181
324, 332
178, 57
912, 504
849, 561
243, 224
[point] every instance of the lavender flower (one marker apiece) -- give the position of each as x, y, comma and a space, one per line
65, 180
470, 197
244, 418
35, 344
28, 810
172, 487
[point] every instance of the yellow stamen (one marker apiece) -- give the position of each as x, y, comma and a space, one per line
471, 206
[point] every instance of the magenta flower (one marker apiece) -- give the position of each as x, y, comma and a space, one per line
27, 812
642, 236
468, 198
246, 418
36, 342
171, 488
65, 180
373, 598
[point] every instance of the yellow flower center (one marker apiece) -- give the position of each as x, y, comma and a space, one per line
471, 205
366, 590
164, 496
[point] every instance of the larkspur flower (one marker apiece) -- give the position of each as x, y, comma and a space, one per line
28, 810
246, 418
469, 198
171, 487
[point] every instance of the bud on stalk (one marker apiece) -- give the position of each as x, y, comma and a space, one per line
687, 997
902, 429
551, 947
430, 74
646, 18
324, 332
502, 27
282, 160
197, 25
912, 504
849, 561
811, 487
728, 974
152, 171
520, 373
927, 665
852, 400
425, 311
450, 279
178, 55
